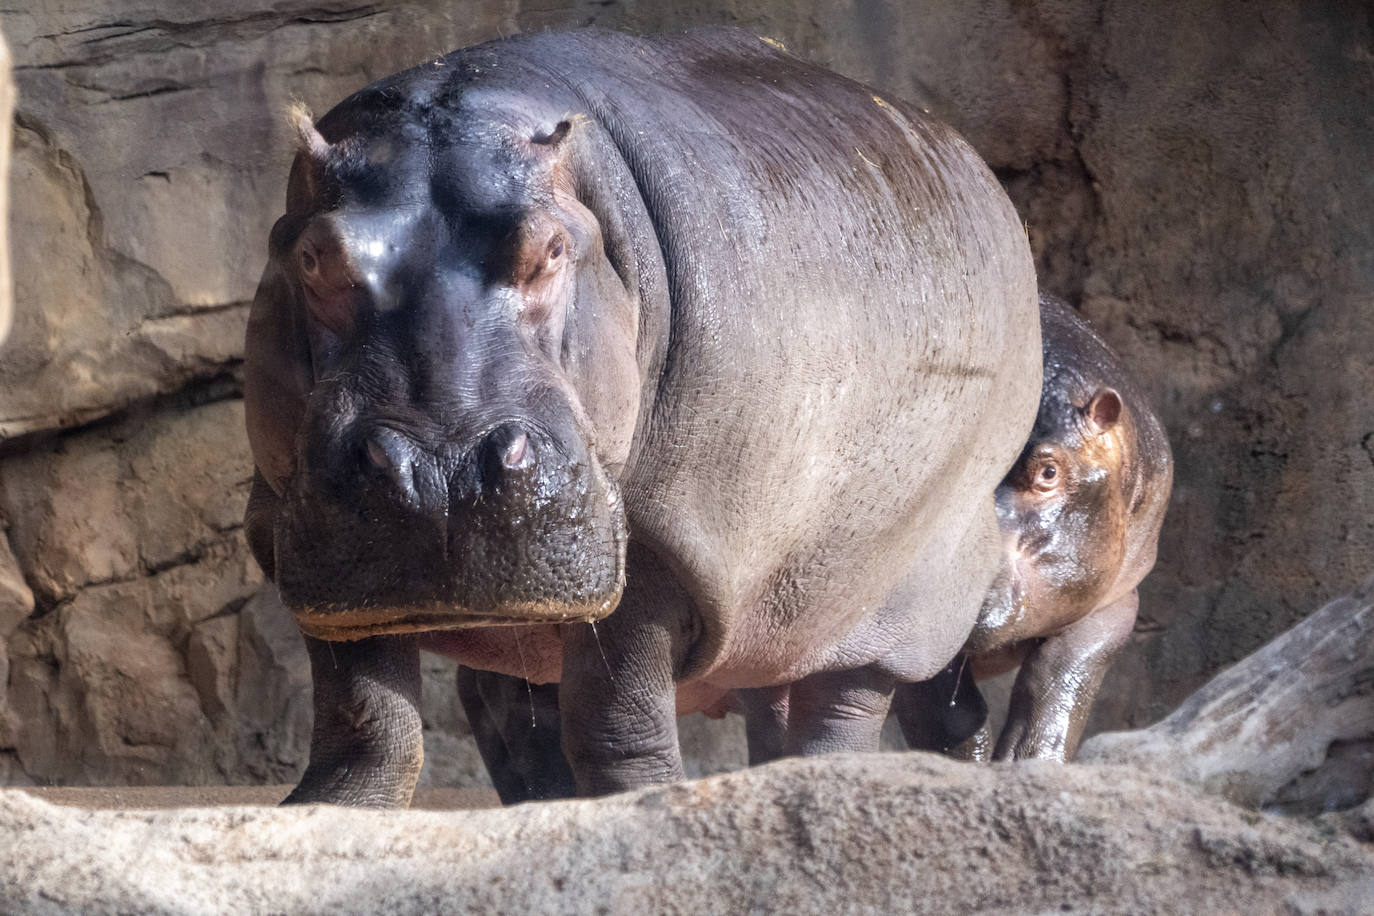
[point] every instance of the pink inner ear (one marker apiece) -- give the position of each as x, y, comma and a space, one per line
1105, 408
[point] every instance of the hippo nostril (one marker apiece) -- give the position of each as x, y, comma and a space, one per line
377, 456
387, 455
508, 452
516, 452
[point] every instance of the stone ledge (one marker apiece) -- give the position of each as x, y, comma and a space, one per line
863, 833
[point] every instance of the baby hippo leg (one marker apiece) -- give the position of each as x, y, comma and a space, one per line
946, 714
1058, 680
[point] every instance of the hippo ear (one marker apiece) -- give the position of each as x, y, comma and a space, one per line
554, 137
1104, 410
312, 149
309, 142
277, 373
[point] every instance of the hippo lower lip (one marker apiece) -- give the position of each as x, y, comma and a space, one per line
348, 624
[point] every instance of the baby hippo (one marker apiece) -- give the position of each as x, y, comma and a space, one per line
1080, 514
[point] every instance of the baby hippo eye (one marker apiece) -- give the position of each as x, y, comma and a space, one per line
308, 260
1047, 478
556, 248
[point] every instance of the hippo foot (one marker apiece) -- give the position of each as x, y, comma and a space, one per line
366, 747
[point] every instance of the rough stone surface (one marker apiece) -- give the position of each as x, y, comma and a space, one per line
6, 116
1194, 177
861, 834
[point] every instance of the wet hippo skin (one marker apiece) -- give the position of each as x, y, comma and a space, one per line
644, 370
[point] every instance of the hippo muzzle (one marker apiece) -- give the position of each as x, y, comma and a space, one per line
384, 536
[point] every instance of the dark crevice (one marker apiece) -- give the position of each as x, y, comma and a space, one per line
188, 557
194, 311
229, 610
154, 35
223, 384
149, 93
45, 604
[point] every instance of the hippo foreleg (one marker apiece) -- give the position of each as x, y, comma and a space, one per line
517, 730
946, 714
366, 747
1058, 681
835, 711
618, 695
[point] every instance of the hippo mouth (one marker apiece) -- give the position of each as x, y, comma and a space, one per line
551, 558
334, 624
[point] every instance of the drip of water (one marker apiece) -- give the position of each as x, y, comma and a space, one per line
525, 673
604, 662
962, 662
332, 659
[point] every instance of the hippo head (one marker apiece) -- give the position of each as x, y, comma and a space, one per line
1061, 509
441, 384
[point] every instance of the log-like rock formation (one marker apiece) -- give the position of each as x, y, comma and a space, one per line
1289, 727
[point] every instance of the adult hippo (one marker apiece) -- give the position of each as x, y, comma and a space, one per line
1080, 514
655, 368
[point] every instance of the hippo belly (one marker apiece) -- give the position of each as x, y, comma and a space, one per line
654, 367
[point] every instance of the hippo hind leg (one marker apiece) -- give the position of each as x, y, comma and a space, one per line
1058, 682
765, 718
836, 711
946, 714
516, 727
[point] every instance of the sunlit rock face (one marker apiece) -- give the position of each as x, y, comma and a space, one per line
1194, 179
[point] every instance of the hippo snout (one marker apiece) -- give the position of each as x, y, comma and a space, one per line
388, 534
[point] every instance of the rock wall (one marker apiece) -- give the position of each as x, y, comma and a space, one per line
1193, 177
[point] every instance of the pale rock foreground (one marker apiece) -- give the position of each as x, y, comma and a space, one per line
869, 833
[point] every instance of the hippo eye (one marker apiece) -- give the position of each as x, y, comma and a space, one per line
1047, 479
556, 249
308, 261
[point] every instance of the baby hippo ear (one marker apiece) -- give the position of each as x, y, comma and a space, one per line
1104, 410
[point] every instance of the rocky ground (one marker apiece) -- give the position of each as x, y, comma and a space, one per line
885, 833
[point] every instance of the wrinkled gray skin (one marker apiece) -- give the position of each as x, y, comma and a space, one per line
1080, 515
680, 335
